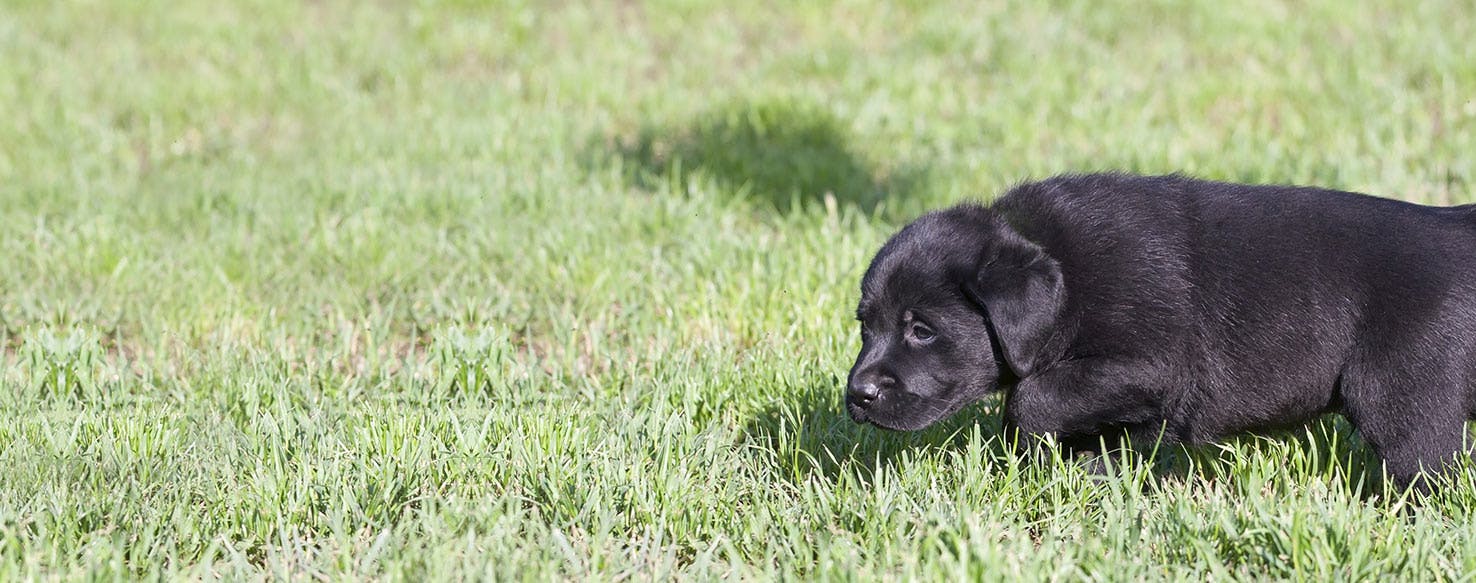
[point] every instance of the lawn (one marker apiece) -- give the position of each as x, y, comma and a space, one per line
564, 290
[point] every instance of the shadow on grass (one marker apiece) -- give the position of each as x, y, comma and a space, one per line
781, 154
1328, 449
812, 435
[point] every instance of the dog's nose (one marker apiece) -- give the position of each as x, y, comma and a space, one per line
863, 393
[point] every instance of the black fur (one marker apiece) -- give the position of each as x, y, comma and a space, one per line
1167, 306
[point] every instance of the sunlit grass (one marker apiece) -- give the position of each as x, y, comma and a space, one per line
439, 290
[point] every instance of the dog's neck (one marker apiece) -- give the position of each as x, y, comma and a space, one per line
1005, 375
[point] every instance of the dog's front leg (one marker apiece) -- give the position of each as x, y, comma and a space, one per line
1078, 404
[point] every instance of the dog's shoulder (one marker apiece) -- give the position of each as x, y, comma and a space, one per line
1073, 213
1098, 189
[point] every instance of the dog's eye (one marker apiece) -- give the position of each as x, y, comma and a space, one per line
921, 333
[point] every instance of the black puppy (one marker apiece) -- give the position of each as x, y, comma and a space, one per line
1170, 307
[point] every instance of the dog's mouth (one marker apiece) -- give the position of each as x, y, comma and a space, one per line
862, 416
918, 413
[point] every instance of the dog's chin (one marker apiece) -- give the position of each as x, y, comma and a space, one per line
904, 422
889, 423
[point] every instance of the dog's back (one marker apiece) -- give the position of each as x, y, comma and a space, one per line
1270, 304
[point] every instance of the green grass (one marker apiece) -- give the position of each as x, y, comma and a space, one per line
546, 291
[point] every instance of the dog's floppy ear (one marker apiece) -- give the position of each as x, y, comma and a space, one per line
1020, 288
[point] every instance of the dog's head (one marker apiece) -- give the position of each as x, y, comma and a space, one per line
952, 306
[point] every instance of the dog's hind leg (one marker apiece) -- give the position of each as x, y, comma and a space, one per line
1413, 421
